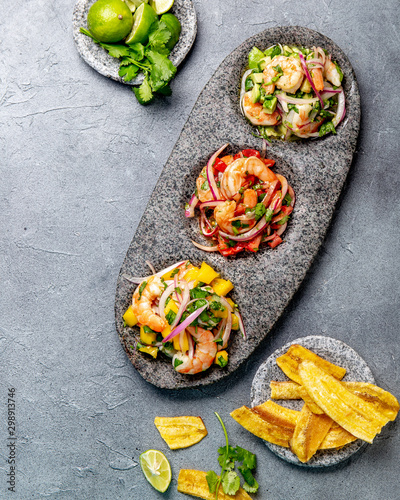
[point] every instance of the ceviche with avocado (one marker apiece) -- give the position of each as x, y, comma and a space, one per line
183, 313
242, 202
291, 92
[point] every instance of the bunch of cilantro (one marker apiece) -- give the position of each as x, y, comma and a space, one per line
151, 59
228, 478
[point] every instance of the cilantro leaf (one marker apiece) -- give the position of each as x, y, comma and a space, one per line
287, 200
326, 128
136, 50
170, 316
259, 210
227, 457
160, 35
166, 90
249, 459
144, 93
251, 489
162, 70
128, 71
283, 220
212, 480
230, 483
141, 288
268, 214
113, 49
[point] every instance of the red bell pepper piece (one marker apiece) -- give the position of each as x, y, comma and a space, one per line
251, 152
220, 165
269, 163
254, 244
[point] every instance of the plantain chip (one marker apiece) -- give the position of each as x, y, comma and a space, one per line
254, 423
354, 414
194, 482
181, 432
337, 437
289, 363
277, 414
310, 431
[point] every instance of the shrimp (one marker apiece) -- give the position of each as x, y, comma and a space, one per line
224, 213
250, 198
302, 126
292, 71
256, 114
317, 78
204, 355
234, 175
332, 74
203, 194
269, 73
142, 304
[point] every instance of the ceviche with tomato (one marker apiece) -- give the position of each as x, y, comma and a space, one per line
183, 313
292, 92
242, 202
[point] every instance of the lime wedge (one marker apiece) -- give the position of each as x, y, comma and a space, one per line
156, 468
143, 18
161, 6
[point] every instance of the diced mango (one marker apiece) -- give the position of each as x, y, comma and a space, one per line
235, 322
221, 359
192, 275
130, 317
231, 303
147, 337
166, 331
220, 314
171, 306
185, 343
153, 351
222, 287
207, 273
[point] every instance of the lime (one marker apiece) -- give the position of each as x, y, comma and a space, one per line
143, 18
134, 4
156, 468
109, 20
161, 6
174, 26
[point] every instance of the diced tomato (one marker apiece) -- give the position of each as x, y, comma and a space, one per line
275, 242
237, 156
254, 244
275, 226
220, 165
269, 163
260, 192
286, 210
251, 152
227, 251
240, 209
250, 181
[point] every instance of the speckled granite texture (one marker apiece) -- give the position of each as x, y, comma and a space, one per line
332, 350
266, 281
79, 161
108, 66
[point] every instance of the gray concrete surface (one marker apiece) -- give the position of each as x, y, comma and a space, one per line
79, 159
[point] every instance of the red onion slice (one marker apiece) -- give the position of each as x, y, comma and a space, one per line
210, 172
257, 229
296, 100
241, 324
341, 110
308, 76
185, 323
281, 230
189, 211
227, 333
183, 305
166, 293
204, 247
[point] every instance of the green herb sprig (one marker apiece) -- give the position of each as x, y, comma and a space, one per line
228, 478
151, 59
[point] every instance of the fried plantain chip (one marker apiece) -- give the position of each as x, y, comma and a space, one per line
289, 363
277, 415
181, 432
337, 437
357, 416
310, 431
194, 482
293, 390
255, 423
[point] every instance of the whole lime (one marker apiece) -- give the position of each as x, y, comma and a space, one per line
174, 27
109, 20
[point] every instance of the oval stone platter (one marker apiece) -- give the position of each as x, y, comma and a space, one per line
266, 281
108, 66
332, 350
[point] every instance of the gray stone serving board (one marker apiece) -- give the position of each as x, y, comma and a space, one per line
266, 281
108, 66
332, 350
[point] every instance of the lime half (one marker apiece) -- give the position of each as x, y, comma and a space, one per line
156, 468
161, 6
143, 18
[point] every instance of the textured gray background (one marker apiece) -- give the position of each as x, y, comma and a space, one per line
79, 160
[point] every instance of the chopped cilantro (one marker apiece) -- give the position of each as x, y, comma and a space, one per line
175, 271
170, 316
326, 128
268, 214
287, 200
222, 361
259, 210
283, 220
177, 362
198, 293
205, 186
141, 289
294, 107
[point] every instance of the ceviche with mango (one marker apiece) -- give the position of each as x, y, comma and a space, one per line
184, 314
242, 202
291, 92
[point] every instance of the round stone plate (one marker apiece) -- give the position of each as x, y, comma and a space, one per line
108, 66
332, 350
265, 281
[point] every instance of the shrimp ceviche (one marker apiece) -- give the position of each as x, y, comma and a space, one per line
242, 202
183, 313
292, 92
